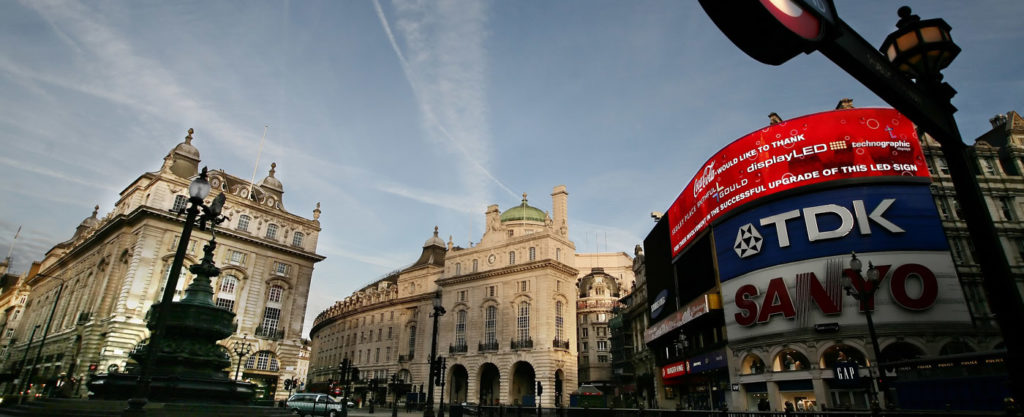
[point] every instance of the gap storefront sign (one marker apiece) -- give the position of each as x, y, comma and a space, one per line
782, 265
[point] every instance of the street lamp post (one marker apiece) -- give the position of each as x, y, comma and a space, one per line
442, 365
438, 312
24, 358
198, 189
42, 340
394, 392
864, 293
241, 349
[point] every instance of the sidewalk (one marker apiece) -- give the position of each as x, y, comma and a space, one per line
383, 412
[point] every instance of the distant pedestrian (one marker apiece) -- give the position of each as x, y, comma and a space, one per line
789, 407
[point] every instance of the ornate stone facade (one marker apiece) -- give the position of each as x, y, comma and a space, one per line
100, 283
510, 321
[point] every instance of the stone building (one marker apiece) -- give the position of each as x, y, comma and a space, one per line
100, 283
510, 323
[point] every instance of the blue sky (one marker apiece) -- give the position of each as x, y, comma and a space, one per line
399, 116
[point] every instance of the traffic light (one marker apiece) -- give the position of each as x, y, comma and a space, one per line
287, 385
540, 389
394, 378
437, 375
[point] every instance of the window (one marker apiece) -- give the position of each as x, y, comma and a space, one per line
475, 264
412, 340
380, 334
522, 286
558, 254
271, 231
226, 292
512, 258
236, 257
458, 269
585, 360
179, 203
943, 168
510, 233
559, 321
602, 345
533, 254
1006, 206
602, 358
490, 290
558, 285
297, 238
182, 277
392, 316
274, 295
376, 356
262, 361
943, 205
243, 223
463, 295
490, 325
460, 328
280, 269
584, 347
271, 317
987, 166
523, 322
584, 333
387, 355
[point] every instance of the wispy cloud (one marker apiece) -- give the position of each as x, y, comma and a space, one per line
446, 66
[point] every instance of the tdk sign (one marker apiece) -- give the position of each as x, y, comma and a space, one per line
863, 219
749, 240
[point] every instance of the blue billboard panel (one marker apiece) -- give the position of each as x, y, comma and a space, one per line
827, 223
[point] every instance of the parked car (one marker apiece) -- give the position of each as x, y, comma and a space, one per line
311, 404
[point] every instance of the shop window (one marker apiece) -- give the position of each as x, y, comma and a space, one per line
753, 365
790, 360
842, 353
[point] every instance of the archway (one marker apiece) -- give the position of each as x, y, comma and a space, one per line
900, 351
490, 384
790, 360
458, 384
956, 347
523, 383
559, 389
841, 353
752, 365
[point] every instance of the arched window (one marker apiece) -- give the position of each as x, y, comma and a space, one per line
243, 223
533, 254
523, 322
559, 320
412, 340
179, 203
490, 325
271, 231
178, 288
262, 361
297, 238
512, 258
226, 292
460, 328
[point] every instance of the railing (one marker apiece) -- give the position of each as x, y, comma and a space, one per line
84, 317
488, 347
269, 333
522, 344
405, 358
560, 344
457, 348
513, 411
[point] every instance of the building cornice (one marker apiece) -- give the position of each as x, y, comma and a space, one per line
344, 314
512, 269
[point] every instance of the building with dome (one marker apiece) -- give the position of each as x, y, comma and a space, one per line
510, 323
90, 295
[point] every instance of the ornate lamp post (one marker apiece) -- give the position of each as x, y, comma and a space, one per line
442, 365
394, 391
438, 312
241, 348
197, 190
864, 293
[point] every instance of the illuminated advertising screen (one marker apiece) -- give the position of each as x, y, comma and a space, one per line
830, 146
783, 264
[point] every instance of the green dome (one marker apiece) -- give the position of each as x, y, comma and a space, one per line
523, 212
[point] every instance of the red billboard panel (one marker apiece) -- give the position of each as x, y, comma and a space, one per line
829, 146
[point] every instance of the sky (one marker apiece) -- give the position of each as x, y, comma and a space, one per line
398, 116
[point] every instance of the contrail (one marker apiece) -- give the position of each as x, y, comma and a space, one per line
410, 77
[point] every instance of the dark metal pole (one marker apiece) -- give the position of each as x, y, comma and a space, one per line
927, 103
42, 341
429, 410
139, 400
24, 358
874, 345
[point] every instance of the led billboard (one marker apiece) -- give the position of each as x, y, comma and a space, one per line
830, 146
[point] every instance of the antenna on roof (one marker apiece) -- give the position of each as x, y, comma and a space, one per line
252, 180
11, 250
